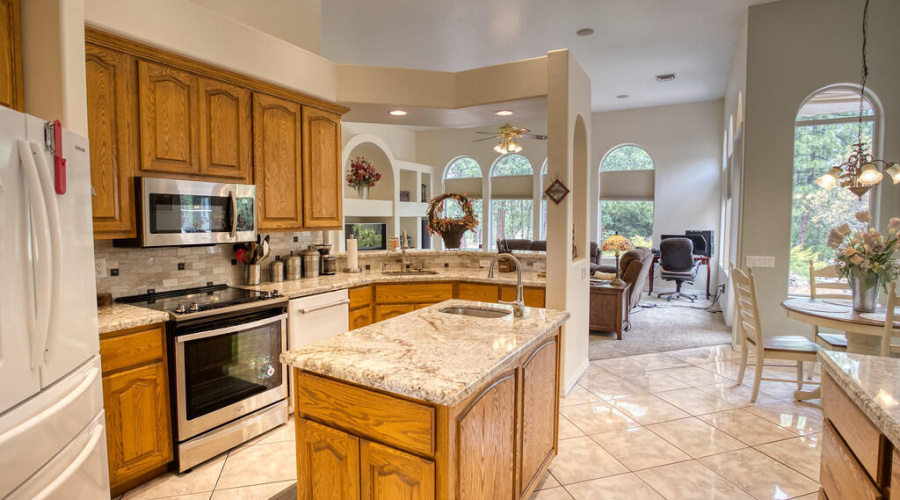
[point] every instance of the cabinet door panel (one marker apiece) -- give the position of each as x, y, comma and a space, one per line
277, 147
389, 474
534, 297
540, 397
225, 130
10, 56
168, 103
360, 318
137, 420
476, 291
413, 293
387, 311
486, 443
328, 463
111, 96
323, 191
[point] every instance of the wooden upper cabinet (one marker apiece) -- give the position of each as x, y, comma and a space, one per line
168, 123
276, 163
11, 84
323, 190
112, 133
225, 131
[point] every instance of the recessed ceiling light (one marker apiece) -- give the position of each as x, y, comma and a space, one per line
665, 78
585, 32
622, 96
503, 112
398, 112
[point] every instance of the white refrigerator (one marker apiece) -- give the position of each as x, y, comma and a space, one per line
52, 425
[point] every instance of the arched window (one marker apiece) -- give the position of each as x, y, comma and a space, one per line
512, 203
463, 175
827, 126
626, 195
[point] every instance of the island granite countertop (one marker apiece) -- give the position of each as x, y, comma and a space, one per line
873, 383
426, 354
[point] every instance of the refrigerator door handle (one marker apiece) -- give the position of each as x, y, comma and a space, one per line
90, 378
50, 200
42, 271
75, 466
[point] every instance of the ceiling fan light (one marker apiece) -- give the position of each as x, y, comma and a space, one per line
500, 147
512, 146
829, 180
869, 175
894, 172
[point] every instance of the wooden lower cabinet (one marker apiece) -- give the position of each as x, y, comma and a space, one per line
361, 317
479, 291
387, 311
895, 476
358, 443
136, 401
11, 85
534, 296
388, 474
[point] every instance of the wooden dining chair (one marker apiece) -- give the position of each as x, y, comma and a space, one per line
786, 347
828, 289
889, 343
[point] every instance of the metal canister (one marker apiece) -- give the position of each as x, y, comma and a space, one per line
329, 265
310, 262
293, 267
276, 270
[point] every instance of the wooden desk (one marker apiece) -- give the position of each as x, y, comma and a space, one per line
609, 308
703, 260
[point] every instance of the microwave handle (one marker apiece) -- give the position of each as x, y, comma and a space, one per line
233, 213
231, 329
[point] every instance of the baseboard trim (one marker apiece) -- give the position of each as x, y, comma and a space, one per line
581, 370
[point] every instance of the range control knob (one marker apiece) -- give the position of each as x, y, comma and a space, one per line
264, 295
275, 293
194, 307
181, 309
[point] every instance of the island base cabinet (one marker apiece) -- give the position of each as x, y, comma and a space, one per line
354, 442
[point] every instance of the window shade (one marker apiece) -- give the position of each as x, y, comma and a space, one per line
514, 187
630, 185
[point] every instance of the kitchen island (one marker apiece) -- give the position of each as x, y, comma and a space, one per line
429, 405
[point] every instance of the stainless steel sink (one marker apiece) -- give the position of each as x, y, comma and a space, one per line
407, 273
476, 312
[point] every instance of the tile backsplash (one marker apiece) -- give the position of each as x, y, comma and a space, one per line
142, 268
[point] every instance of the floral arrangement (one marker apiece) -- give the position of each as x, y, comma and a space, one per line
362, 173
439, 225
866, 253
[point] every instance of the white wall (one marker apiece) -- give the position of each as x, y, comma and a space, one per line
796, 47
685, 143
187, 28
401, 140
295, 21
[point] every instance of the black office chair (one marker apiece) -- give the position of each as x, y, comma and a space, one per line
676, 263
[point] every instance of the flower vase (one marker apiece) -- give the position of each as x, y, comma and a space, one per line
453, 235
363, 192
865, 290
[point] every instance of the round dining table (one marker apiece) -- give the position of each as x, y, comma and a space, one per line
864, 330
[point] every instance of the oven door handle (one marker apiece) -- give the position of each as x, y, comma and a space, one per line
231, 329
234, 216
307, 310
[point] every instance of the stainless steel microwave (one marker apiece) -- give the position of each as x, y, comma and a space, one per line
176, 212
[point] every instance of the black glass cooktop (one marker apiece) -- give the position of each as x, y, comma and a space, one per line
193, 300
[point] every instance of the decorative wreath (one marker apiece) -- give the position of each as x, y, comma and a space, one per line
439, 225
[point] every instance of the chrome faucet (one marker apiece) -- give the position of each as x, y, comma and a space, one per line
519, 309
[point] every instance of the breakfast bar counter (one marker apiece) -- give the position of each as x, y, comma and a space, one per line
430, 405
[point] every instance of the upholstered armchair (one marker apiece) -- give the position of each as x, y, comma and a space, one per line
635, 264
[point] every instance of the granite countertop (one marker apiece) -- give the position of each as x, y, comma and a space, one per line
312, 286
123, 316
873, 383
427, 354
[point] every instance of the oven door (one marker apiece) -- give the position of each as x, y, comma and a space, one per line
227, 372
179, 212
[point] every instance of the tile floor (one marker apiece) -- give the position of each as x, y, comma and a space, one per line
670, 426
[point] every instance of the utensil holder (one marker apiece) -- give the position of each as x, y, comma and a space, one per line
252, 277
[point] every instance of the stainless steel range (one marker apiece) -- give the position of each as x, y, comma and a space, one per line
226, 379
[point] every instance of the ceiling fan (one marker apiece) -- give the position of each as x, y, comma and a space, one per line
508, 136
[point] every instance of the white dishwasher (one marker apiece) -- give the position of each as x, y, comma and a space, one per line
315, 318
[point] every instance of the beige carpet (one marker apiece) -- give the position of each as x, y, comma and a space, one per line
663, 327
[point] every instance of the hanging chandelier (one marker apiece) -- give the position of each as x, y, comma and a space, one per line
861, 170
